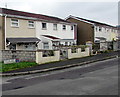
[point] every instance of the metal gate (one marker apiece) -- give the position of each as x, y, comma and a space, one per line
63, 53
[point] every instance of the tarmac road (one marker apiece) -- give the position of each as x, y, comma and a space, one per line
101, 78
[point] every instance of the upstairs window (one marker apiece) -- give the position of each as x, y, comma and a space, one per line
54, 26
64, 27
115, 30
109, 29
66, 43
96, 29
14, 22
31, 24
44, 26
100, 28
112, 30
71, 27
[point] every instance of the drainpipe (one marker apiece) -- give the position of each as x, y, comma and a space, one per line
5, 31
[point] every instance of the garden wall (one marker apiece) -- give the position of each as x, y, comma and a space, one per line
78, 53
21, 55
40, 58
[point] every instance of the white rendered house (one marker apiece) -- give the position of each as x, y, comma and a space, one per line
89, 30
30, 31
54, 33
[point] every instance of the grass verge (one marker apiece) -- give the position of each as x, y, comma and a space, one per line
15, 66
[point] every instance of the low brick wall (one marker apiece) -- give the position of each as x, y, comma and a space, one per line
78, 53
22, 55
42, 56
40, 59
116, 45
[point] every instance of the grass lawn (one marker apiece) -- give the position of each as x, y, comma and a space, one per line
14, 66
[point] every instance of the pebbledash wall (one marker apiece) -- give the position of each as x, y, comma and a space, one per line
22, 55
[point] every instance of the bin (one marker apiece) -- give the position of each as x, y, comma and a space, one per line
17, 60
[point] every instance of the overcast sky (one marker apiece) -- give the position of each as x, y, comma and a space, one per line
105, 11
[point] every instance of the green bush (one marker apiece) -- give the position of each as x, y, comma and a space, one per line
106, 51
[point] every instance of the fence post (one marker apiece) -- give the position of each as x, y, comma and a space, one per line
69, 53
57, 54
79, 50
38, 56
87, 50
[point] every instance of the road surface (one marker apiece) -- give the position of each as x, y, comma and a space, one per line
101, 78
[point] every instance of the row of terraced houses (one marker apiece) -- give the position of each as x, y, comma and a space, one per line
29, 31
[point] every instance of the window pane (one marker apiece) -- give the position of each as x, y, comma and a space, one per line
64, 27
14, 22
31, 24
46, 45
100, 28
66, 43
54, 26
71, 27
44, 25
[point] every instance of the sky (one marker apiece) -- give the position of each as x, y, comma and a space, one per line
105, 11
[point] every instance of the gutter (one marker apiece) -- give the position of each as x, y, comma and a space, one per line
78, 19
37, 19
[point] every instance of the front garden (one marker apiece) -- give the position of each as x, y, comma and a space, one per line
14, 66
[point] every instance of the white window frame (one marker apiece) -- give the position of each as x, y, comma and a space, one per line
72, 28
96, 28
15, 22
66, 43
64, 27
112, 30
31, 25
100, 29
115, 31
54, 26
45, 27
45, 46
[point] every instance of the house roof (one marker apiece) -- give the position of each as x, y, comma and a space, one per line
49, 36
67, 40
23, 40
32, 15
101, 38
90, 21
